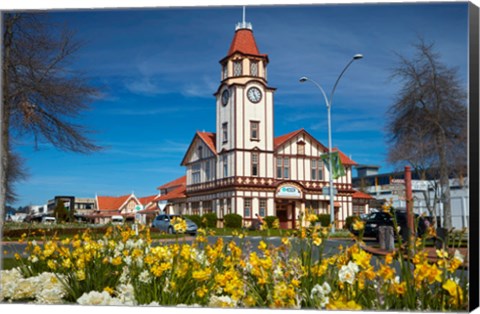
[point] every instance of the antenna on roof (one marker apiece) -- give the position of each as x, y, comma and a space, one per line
243, 24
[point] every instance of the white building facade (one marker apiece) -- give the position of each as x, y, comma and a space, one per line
243, 168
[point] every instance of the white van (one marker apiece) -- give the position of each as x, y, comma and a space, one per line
117, 220
49, 220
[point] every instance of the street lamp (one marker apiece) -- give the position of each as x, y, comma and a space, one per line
328, 102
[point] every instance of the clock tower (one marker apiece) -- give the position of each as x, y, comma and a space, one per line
244, 103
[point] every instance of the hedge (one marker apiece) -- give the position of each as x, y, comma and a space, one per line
324, 219
195, 218
232, 221
269, 220
209, 220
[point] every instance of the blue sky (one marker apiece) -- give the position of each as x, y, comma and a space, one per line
158, 70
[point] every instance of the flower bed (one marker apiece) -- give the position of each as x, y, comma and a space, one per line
121, 267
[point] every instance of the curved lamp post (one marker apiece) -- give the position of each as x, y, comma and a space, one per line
328, 102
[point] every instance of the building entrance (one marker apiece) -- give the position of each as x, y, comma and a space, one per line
285, 212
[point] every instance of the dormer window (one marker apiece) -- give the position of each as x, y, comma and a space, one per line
237, 68
253, 68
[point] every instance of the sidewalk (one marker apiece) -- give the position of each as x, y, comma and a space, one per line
432, 253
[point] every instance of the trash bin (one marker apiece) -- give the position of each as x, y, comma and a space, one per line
441, 238
386, 238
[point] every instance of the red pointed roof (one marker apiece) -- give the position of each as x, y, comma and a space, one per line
111, 202
244, 42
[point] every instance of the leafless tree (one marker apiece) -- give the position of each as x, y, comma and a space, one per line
41, 93
428, 121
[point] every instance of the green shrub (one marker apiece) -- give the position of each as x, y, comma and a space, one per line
324, 219
232, 221
196, 219
349, 221
269, 220
209, 220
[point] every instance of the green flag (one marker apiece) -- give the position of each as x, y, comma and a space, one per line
338, 169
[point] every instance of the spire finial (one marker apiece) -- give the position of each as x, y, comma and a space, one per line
243, 24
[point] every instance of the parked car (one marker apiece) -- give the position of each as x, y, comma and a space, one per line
163, 223
49, 220
117, 220
377, 219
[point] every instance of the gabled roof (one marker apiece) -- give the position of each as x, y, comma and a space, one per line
112, 202
244, 42
345, 160
146, 200
174, 183
208, 138
280, 140
176, 193
360, 194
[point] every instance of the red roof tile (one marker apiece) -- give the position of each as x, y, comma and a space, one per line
174, 183
209, 139
174, 194
111, 202
147, 199
280, 140
244, 42
345, 160
359, 194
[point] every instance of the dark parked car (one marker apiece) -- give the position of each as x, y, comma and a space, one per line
374, 220
163, 223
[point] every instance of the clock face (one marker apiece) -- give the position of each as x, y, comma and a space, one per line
225, 96
254, 94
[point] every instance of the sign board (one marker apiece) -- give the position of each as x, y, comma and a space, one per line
397, 181
138, 207
289, 191
326, 190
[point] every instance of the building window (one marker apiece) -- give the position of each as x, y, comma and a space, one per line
262, 211
207, 171
301, 148
317, 170
225, 132
313, 207
195, 173
247, 207
254, 164
225, 166
200, 152
225, 71
253, 68
237, 68
195, 208
254, 130
283, 168
286, 168
229, 206
220, 208
207, 207
279, 167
